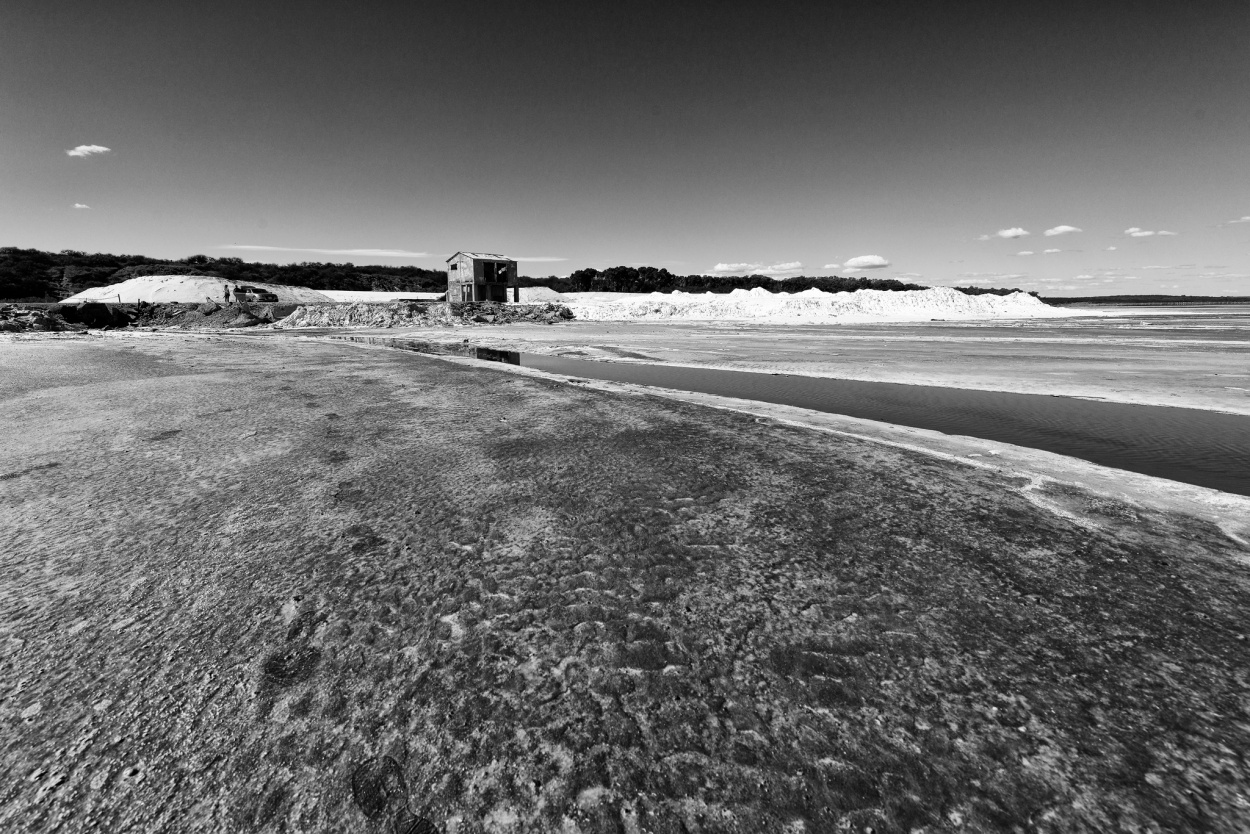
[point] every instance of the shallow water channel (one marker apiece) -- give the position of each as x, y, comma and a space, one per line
1205, 448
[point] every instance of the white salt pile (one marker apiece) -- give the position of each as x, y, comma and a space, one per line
188, 289
810, 306
540, 295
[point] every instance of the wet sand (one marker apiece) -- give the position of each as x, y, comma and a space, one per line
272, 584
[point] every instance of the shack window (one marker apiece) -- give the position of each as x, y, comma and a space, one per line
494, 272
453, 267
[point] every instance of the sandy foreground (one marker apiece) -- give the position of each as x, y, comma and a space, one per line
282, 584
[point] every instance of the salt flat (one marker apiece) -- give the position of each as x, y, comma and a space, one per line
277, 584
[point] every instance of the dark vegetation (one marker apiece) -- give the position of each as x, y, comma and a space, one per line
35, 275
994, 291
651, 279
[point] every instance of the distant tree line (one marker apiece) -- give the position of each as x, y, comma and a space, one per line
651, 279
994, 291
35, 275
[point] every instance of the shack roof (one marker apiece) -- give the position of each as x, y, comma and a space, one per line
481, 256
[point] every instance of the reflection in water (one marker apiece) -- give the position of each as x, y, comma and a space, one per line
510, 357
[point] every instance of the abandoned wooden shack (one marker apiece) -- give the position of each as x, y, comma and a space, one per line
474, 276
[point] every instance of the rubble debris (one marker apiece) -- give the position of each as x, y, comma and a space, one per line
423, 314
209, 315
213, 315
17, 318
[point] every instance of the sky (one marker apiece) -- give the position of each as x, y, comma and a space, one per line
1086, 148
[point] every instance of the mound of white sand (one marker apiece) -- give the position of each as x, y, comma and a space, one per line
188, 289
379, 297
810, 306
540, 295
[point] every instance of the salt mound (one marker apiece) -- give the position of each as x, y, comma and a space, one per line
813, 306
188, 289
538, 295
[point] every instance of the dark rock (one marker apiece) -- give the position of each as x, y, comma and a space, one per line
91, 314
245, 319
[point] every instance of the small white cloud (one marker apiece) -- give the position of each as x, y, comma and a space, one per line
1049, 251
1244, 219
1111, 248
788, 268
866, 262
729, 269
371, 253
1137, 231
1006, 234
1170, 234
1025, 252
88, 150
81, 206
1234, 276
1061, 230
911, 275
781, 270
1081, 277
991, 276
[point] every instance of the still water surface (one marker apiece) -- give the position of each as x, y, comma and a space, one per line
1206, 448
1193, 446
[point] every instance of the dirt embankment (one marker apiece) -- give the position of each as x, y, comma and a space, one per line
420, 314
96, 315
209, 315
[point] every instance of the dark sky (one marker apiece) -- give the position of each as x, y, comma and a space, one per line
791, 137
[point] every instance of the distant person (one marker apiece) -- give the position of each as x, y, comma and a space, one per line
227, 293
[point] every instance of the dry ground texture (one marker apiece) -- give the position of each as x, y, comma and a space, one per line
269, 586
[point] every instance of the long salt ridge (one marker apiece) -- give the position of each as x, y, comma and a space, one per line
810, 306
